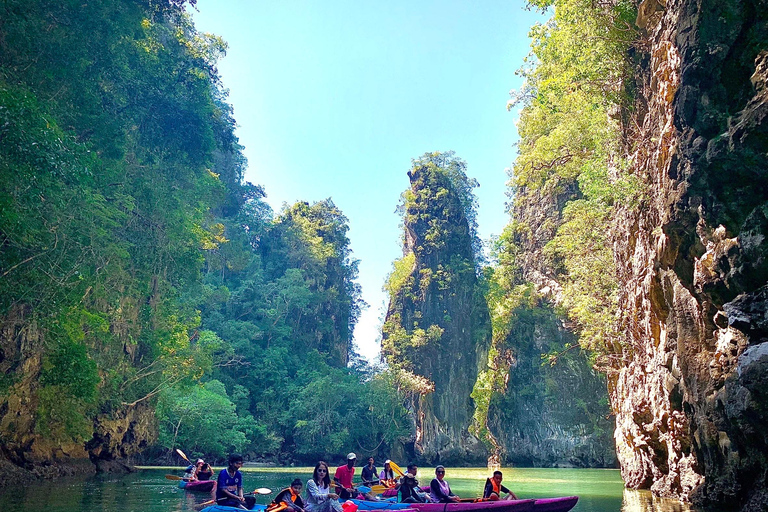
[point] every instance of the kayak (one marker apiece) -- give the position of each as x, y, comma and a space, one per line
198, 485
556, 504
222, 508
562, 504
379, 505
485, 506
489, 506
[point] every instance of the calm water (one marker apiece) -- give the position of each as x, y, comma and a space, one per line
149, 491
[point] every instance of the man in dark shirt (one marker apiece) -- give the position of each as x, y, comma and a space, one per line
369, 474
409, 491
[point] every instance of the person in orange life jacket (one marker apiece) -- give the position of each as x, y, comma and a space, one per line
229, 485
288, 499
439, 490
343, 478
493, 489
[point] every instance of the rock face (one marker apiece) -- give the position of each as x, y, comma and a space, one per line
690, 394
437, 327
116, 437
549, 415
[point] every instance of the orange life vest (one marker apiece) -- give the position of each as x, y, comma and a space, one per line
278, 507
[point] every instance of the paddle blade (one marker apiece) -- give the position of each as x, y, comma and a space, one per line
205, 504
182, 455
396, 468
378, 489
263, 490
173, 477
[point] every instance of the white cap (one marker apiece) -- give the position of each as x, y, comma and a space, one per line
351, 455
387, 461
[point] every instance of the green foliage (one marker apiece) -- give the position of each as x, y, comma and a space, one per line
110, 118
442, 201
70, 368
62, 417
576, 80
128, 238
203, 420
590, 291
401, 274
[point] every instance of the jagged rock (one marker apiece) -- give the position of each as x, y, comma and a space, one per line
442, 311
689, 398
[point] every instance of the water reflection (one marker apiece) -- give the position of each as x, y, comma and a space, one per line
644, 501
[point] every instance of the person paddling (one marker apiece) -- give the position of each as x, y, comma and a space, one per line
229, 485
493, 489
343, 478
368, 474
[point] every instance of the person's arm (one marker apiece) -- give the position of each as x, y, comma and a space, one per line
436, 491
314, 491
504, 489
240, 495
290, 504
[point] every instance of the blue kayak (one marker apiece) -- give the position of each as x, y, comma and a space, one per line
221, 508
379, 505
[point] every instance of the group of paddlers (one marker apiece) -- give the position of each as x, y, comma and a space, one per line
319, 496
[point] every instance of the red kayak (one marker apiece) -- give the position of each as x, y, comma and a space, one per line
489, 506
555, 504
198, 485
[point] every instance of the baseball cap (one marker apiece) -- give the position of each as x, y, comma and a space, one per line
351, 455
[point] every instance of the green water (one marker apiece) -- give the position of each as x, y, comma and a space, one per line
149, 491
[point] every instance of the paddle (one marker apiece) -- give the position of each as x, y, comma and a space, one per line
396, 468
183, 455
173, 477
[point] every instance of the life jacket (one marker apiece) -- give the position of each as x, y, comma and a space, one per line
496, 486
278, 504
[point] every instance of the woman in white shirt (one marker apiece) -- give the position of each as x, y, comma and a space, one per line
319, 495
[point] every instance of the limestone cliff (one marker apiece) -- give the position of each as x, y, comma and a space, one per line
27, 442
548, 415
437, 325
690, 395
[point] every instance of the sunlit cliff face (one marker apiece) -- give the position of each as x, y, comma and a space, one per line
689, 402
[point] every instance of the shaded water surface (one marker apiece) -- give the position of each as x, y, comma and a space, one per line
149, 491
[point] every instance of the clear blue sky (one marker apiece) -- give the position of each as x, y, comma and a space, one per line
334, 99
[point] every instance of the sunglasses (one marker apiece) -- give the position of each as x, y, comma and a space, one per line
440, 472
322, 470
